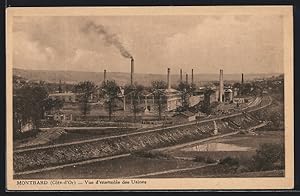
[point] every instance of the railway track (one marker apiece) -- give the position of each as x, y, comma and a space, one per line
59, 147
145, 131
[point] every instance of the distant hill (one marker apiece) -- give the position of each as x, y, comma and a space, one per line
123, 78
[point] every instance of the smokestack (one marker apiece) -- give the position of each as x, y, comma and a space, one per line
192, 76
242, 78
221, 86
180, 75
187, 78
132, 70
104, 76
168, 79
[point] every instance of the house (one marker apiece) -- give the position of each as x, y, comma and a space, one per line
228, 95
66, 96
59, 116
201, 115
235, 92
238, 100
172, 99
26, 127
195, 99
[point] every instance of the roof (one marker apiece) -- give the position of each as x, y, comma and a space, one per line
228, 90
171, 90
57, 113
201, 114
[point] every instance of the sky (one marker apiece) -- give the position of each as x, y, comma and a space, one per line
205, 43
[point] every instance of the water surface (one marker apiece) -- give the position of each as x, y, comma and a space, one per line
216, 147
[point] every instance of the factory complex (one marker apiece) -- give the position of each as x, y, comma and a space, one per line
184, 100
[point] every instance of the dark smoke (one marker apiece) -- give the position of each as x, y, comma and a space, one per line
111, 39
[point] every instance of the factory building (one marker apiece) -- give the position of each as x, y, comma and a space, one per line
67, 97
172, 97
228, 95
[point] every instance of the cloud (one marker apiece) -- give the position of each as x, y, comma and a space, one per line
206, 43
234, 45
29, 52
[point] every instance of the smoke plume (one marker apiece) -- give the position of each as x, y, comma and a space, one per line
109, 38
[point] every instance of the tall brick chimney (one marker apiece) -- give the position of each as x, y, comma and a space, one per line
104, 76
180, 75
221, 90
187, 78
192, 76
242, 78
131, 70
168, 79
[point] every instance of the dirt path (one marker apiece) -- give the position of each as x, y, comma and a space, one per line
72, 164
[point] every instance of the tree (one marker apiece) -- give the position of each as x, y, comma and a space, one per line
158, 88
245, 89
85, 90
236, 85
55, 104
206, 107
29, 105
185, 89
110, 90
135, 92
257, 89
268, 157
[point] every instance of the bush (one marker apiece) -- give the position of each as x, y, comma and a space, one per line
25, 135
242, 169
199, 159
268, 157
151, 154
229, 161
210, 160
207, 160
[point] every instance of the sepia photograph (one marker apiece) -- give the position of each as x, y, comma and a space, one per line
150, 98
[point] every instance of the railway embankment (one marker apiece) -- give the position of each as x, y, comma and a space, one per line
49, 156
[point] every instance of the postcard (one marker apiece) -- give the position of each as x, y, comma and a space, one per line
150, 98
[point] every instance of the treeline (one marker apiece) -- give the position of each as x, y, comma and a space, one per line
111, 93
30, 102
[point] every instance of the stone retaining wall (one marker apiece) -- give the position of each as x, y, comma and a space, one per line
41, 158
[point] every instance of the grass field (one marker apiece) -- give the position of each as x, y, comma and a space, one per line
116, 168
220, 171
251, 141
139, 165
51, 137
